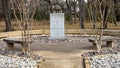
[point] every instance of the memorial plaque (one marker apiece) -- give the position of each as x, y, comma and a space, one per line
57, 26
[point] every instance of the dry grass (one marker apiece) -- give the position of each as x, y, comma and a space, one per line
40, 25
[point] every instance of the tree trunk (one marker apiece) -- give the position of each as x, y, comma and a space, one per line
75, 13
116, 11
69, 11
105, 18
81, 6
94, 15
51, 10
7, 14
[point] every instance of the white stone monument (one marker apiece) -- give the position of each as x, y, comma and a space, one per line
57, 26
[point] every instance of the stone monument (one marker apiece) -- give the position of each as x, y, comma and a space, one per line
57, 26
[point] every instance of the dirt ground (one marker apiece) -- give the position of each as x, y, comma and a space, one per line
61, 50
62, 55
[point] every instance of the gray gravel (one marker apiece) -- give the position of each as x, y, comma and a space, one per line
14, 59
16, 62
67, 39
105, 61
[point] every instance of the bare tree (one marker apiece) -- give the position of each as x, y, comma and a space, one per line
81, 7
116, 10
104, 12
7, 14
50, 5
91, 10
68, 3
26, 10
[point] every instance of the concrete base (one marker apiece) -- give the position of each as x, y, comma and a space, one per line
10, 45
94, 47
56, 38
110, 44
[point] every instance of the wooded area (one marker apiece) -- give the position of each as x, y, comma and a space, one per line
75, 10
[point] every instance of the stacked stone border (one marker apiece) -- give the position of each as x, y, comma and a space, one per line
86, 62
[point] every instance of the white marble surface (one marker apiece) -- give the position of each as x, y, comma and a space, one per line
57, 26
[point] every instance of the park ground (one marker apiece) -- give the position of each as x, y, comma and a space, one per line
59, 55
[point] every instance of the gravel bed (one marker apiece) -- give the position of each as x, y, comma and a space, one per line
105, 61
14, 59
67, 39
